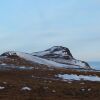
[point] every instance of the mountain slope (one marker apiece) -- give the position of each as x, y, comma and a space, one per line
33, 59
62, 55
56, 56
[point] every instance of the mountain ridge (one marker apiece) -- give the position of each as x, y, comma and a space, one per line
56, 56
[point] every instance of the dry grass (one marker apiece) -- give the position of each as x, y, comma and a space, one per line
44, 88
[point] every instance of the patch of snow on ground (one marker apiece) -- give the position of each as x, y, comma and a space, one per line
3, 64
53, 91
4, 82
1, 87
82, 83
25, 68
15, 67
26, 88
82, 89
80, 77
89, 89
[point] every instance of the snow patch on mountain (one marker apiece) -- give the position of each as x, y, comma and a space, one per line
35, 59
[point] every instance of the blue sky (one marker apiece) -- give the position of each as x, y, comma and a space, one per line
34, 25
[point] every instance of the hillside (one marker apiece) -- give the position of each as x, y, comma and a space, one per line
56, 56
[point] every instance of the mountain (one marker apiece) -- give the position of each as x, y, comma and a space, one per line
56, 56
61, 55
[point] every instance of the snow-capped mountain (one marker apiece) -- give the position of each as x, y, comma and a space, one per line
61, 55
56, 56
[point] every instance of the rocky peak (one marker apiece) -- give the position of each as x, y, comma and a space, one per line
9, 53
55, 52
60, 50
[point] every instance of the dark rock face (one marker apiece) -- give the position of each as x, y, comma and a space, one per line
8, 54
12, 55
86, 63
60, 48
55, 52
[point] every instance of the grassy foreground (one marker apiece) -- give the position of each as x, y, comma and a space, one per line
45, 86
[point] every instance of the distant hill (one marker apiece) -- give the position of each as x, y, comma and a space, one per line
57, 56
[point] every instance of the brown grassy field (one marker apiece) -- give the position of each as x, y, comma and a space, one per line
45, 86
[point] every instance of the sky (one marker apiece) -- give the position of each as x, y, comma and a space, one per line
35, 25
